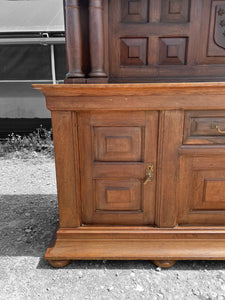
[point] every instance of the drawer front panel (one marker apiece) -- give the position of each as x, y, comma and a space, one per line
201, 190
115, 150
204, 127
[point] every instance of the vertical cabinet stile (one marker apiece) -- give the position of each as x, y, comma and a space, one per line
170, 139
67, 167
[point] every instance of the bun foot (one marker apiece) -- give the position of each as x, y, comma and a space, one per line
164, 263
59, 263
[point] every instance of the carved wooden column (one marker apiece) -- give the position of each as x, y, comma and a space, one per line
73, 42
96, 32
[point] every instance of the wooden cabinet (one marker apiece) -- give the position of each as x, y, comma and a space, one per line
140, 165
140, 171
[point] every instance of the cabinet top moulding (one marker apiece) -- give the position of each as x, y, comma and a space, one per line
149, 96
134, 89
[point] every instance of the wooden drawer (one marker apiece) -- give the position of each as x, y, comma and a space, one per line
204, 127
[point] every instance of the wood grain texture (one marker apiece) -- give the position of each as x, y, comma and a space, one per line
175, 11
191, 26
73, 39
110, 138
141, 233
121, 129
209, 51
103, 178
67, 168
134, 249
117, 143
170, 138
96, 31
196, 173
132, 89
200, 127
124, 96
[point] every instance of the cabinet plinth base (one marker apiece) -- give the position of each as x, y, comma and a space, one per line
163, 246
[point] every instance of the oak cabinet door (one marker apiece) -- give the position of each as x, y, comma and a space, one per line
201, 190
115, 150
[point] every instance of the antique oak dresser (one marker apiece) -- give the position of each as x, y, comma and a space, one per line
139, 132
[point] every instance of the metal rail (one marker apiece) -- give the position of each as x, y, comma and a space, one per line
30, 81
30, 41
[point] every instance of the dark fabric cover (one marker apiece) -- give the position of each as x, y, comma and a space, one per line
31, 62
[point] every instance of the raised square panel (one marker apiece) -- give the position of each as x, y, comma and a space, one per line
208, 187
117, 195
172, 51
214, 190
120, 144
133, 8
117, 143
134, 11
175, 6
175, 11
133, 51
201, 190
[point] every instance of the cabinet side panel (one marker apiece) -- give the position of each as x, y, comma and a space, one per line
67, 167
170, 138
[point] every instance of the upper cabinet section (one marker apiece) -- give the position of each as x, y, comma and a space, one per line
145, 40
166, 40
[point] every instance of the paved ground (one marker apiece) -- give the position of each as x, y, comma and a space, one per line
28, 217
